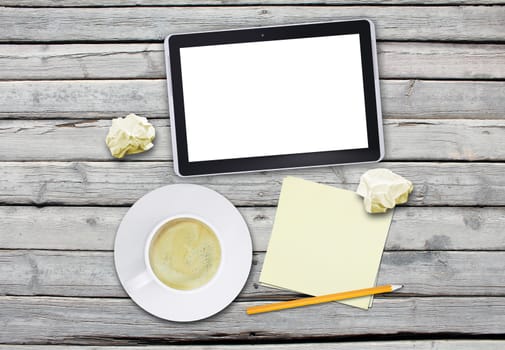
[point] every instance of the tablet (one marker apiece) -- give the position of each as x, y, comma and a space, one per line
274, 97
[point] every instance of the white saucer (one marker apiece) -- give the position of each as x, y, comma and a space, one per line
220, 214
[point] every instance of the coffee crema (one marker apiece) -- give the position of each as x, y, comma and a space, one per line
185, 254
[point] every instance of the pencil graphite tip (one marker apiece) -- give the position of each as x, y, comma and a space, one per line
396, 287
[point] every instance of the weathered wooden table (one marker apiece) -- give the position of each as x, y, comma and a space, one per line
67, 68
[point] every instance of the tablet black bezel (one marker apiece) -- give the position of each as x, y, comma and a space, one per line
370, 154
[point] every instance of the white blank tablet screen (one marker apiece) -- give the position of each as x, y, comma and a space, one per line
273, 98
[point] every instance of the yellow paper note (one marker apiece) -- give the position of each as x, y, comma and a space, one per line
323, 241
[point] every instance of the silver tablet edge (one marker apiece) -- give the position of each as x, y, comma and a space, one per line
171, 106
377, 91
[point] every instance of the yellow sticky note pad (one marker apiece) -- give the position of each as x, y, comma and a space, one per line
323, 241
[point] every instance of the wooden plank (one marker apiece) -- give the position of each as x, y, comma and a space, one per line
94, 228
120, 321
456, 139
92, 274
447, 61
82, 61
80, 99
440, 23
133, 61
83, 98
122, 183
111, 3
378, 345
433, 98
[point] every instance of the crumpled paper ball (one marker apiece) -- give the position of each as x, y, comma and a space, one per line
129, 135
382, 189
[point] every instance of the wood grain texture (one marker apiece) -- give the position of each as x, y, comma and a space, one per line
111, 3
447, 61
80, 99
94, 228
82, 61
440, 23
83, 98
65, 140
120, 321
450, 258
122, 183
378, 345
92, 274
134, 61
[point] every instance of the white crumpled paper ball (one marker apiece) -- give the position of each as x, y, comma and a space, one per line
382, 189
129, 135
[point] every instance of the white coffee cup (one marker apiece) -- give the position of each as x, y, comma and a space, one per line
148, 276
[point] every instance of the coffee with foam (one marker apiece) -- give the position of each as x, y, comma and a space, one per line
185, 254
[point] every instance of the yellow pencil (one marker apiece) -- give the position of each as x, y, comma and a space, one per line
322, 299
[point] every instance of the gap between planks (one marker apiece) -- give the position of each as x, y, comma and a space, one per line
98, 320
358, 344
